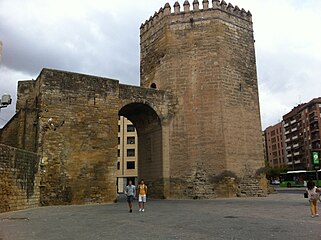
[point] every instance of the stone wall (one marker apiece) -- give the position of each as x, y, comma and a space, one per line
77, 138
70, 120
19, 174
77, 133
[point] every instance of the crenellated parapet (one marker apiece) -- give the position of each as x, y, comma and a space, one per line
196, 9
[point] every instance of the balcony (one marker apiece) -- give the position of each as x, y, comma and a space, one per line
289, 155
314, 129
285, 125
295, 145
296, 154
316, 146
287, 132
315, 138
288, 148
295, 137
293, 121
294, 129
297, 161
313, 120
287, 140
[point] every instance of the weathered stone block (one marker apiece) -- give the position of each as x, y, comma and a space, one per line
19, 179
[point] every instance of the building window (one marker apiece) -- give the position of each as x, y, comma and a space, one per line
118, 153
118, 128
130, 140
118, 140
130, 152
131, 165
118, 165
130, 128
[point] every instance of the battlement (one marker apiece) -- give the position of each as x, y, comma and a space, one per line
217, 5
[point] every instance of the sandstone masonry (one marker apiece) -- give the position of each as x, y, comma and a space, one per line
206, 58
19, 174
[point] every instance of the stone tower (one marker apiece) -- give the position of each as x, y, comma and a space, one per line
205, 57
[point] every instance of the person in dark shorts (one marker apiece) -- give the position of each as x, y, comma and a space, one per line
130, 192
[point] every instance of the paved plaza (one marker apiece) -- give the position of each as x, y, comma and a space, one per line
279, 216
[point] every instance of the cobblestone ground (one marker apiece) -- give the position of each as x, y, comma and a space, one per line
279, 216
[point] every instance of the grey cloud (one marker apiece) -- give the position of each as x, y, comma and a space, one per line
75, 47
286, 79
98, 45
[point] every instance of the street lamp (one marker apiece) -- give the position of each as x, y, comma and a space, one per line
5, 101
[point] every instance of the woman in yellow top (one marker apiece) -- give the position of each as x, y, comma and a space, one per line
142, 192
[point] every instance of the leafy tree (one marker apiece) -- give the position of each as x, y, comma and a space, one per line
271, 172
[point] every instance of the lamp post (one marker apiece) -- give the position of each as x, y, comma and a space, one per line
5, 101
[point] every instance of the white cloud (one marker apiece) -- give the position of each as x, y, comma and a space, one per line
288, 47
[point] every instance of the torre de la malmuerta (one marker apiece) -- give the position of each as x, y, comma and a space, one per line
196, 113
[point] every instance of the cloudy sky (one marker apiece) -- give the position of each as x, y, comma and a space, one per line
101, 37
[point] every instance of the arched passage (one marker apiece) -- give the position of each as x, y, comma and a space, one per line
150, 146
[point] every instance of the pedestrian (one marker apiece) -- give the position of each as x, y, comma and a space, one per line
130, 192
305, 183
142, 193
312, 191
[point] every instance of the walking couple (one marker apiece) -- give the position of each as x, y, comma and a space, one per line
141, 192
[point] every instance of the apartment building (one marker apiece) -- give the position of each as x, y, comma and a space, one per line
275, 145
302, 134
127, 154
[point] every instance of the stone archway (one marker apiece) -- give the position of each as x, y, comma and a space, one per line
150, 145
